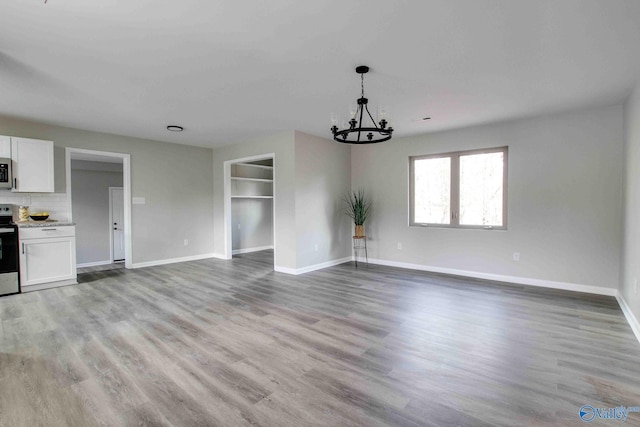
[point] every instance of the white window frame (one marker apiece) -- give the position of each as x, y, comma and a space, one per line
455, 188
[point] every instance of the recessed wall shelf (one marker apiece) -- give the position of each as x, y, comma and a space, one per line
255, 166
238, 178
252, 180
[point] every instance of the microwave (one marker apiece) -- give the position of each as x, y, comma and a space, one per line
5, 173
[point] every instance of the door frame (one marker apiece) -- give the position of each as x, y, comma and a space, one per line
228, 244
111, 220
126, 186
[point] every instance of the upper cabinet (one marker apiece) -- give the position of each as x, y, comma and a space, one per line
32, 165
5, 147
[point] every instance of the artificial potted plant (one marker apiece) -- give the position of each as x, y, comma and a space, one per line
358, 207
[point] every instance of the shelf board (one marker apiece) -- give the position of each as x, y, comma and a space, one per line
252, 197
254, 166
239, 178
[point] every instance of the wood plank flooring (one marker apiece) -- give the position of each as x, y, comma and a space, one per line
232, 343
103, 267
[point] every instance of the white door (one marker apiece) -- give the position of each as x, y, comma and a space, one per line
116, 201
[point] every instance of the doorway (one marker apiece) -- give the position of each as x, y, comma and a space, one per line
250, 204
91, 176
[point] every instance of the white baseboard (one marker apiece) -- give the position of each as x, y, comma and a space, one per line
296, 271
172, 260
219, 256
247, 250
94, 264
287, 270
43, 286
633, 321
502, 278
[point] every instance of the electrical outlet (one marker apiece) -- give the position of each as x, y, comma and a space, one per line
238, 226
516, 256
316, 247
186, 242
399, 246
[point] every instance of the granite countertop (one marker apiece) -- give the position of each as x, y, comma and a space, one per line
47, 223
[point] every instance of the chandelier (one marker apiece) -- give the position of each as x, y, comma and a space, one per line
357, 133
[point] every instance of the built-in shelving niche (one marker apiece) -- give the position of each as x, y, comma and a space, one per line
252, 180
252, 205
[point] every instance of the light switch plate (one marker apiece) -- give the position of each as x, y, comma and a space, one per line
138, 200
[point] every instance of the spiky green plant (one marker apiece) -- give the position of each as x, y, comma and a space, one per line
358, 206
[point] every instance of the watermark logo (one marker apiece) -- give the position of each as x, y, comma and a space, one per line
588, 413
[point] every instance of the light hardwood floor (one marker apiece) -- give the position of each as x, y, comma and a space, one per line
233, 343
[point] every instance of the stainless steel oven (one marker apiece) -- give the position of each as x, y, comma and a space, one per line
9, 280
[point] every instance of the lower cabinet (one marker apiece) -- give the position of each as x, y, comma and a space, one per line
47, 257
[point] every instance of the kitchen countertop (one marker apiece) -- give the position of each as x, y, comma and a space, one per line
47, 223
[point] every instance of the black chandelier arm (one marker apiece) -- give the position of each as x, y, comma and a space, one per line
371, 117
360, 122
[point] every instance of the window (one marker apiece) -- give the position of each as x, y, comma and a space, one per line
466, 189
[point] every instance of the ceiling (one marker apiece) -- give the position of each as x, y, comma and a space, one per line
229, 70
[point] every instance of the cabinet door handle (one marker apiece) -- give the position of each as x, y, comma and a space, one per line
15, 183
49, 229
22, 248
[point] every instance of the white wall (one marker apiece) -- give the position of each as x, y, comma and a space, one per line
176, 180
631, 245
90, 199
323, 177
564, 200
252, 223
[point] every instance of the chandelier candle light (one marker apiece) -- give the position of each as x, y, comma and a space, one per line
356, 133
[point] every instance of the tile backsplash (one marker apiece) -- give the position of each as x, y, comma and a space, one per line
54, 203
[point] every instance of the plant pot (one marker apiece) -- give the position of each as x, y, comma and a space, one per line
359, 232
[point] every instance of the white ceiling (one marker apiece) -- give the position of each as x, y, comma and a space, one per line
232, 70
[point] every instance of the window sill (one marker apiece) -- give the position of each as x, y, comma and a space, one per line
460, 227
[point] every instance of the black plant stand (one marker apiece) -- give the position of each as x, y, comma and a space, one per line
359, 245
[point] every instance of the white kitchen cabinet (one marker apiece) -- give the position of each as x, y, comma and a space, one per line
5, 147
47, 257
32, 164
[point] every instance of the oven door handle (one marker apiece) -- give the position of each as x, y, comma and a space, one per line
6, 230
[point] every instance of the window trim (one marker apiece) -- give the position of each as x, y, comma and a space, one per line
455, 188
